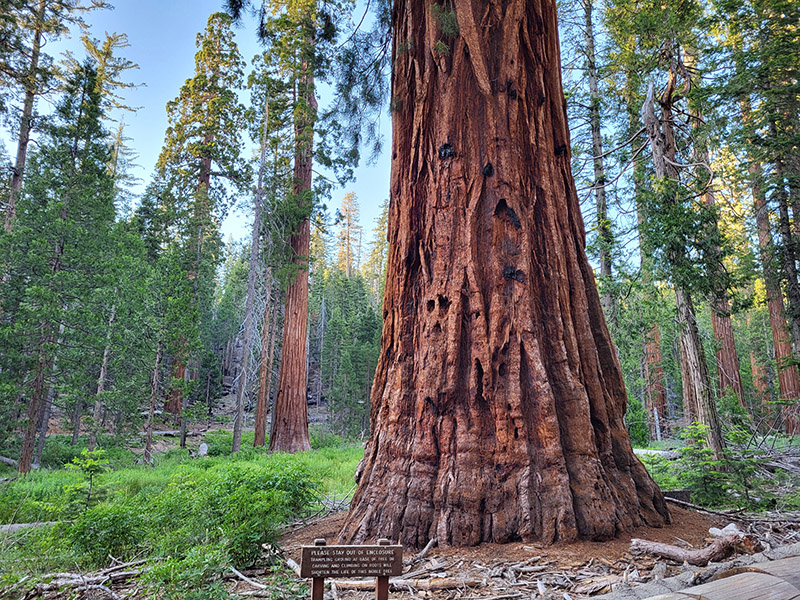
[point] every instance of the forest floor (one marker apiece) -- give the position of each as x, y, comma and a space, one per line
532, 570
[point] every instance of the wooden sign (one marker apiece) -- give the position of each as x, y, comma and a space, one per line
381, 561
351, 561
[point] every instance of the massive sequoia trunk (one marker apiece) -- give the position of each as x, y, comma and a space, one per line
498, 401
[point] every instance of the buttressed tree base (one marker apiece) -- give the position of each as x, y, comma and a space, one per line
498, 401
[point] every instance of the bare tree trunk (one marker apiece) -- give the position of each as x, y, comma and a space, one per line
101, 382
265, 365
44, 423
290, 419
498, 403
655, 390
47, 409
77, 411
694, 371
43, 366
26, 119
606, 240
251, 287
788, 376
148, 446
788, 255
728, 375
697, 380
654, 383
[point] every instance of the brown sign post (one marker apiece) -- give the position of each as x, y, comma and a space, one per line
320, 561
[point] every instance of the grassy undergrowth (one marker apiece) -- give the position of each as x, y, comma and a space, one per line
191, 518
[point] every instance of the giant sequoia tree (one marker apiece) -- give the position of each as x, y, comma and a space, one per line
498, 400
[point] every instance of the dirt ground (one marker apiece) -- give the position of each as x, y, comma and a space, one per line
688, 529
518, 571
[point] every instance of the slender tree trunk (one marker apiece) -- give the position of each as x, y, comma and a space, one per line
290, 420
101, 381
697, 372
788, 255
44, 423
788, 377
272, 353
654, 383
44, 365
265, 365
322, 348
148, 446
47, 409
26, 119
728, 373
77, 411
694, 371
606, 239
655, 389
251, 288
187, 376
498, 403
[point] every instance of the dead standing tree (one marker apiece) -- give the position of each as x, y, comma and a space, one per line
498, 402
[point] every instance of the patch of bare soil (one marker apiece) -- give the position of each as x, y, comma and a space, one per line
687, 528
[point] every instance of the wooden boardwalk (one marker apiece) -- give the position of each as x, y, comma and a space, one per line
776, 580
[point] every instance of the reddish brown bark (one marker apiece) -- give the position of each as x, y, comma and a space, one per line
174, 400
43, 366
290, 421
498, 401
654, 383
759, 375
788, 379
729, 377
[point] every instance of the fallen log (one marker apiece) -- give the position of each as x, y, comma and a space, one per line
400, 585
14, 527
720, 549
8, 461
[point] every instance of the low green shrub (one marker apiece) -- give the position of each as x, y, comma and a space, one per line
194, 576
731, 481
107, 530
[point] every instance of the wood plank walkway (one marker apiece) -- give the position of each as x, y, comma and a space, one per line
775, 580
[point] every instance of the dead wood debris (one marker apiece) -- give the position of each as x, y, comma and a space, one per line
537, 578
720, 549
110, 583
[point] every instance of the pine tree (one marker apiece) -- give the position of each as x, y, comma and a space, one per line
375, 265
350, 231
27, 67
68, 213
200, 159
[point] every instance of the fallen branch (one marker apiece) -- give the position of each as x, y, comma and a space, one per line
698, 508
400, 585
431, 543
8, 461
293, 566
720, 549
14, 527
247, 580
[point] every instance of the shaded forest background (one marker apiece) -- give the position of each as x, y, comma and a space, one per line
119, 311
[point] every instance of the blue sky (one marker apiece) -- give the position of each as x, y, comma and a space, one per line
162, 42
